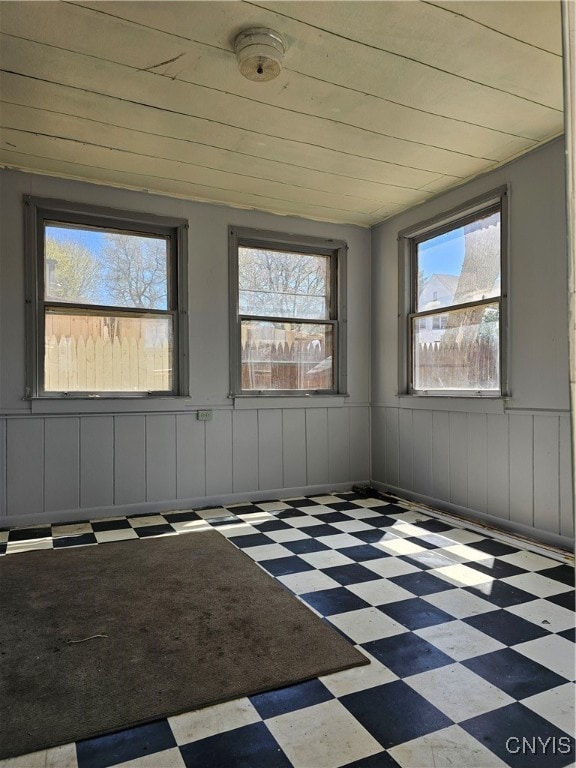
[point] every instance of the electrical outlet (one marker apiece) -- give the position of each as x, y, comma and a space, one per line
204, 415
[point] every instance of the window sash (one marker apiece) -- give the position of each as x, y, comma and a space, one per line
153, 234
480, 358
279, 368
445, 308
336, 251
42, 212
492, 202
140, 363
278, 294
442, 230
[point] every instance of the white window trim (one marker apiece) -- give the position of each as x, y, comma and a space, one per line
337, 249
406, 245
37, 211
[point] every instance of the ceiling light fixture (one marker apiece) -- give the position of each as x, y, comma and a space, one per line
259, 52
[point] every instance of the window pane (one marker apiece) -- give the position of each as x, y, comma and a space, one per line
463, 354
282, 284
96, 266
461, 265
103, 353
286, 356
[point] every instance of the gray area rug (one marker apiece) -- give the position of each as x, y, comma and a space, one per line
174, 624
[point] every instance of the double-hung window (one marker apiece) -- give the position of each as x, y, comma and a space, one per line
453, 328
107, 302
287, 314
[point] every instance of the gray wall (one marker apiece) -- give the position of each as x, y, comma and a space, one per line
61, 460
507, 461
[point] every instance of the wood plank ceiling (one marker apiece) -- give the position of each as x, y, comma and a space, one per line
379, 106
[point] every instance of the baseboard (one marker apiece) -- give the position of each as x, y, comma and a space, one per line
473, 519
198, 502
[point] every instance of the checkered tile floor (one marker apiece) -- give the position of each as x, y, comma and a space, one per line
470, 640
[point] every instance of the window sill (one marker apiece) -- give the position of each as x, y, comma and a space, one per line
63, 405
254, 402
467, 403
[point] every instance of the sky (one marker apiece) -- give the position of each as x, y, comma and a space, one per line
439, 255
90, 239
95, 242
442, 255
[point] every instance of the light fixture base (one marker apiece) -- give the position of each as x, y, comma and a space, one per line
259, 51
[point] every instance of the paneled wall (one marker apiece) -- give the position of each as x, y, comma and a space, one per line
507, 461
74, 466
514, 466
67, 460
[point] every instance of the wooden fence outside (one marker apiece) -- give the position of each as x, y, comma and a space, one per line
107, 365
474, 365
122, 364
280, 365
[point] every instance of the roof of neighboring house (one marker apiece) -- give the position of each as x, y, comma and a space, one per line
448, 281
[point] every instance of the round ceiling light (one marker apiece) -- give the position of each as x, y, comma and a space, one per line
259, 52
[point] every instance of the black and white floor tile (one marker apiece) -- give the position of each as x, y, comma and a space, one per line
470, 640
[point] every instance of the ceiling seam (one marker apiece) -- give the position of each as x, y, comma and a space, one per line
321, 29
438, 115
256, 101
188, 183
226, 125
400, 55
338, 85
304, 114
108, 148
492, 29
239, 153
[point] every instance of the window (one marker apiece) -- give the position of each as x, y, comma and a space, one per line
454, 277
107, 302
286, 314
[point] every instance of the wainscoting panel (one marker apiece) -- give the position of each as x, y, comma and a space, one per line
546, 471
498, 466
566, 480
521, 430
61, 463
244, 451
477, 461
441, 454
24, 466
294, 447
458, 459
219, 454
392, 444
160, 457
422, 452
511, 466
338, 444
406, 448
359, 445
317, 445
97, 461
190, 456
270, 449
56, 468
129, 459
